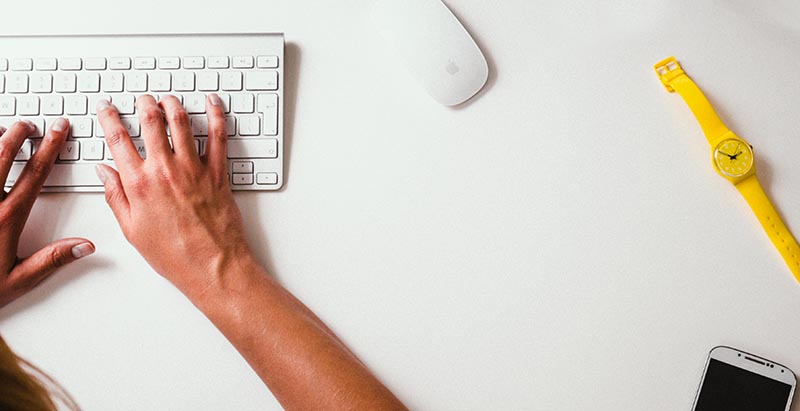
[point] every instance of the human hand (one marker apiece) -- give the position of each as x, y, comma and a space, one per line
18, 276
176, 206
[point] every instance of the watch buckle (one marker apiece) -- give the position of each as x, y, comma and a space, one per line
667, 70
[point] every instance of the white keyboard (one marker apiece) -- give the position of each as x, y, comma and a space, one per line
46, 77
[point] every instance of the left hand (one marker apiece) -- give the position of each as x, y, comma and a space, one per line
20, 275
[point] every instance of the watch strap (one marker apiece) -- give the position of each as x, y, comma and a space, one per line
780, 236
675, 79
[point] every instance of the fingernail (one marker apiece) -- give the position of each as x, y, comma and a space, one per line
101, 173
3, 129
30, 124
82, 250
60, 125
102, 105
214, 99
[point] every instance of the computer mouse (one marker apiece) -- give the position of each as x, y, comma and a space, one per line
437, 49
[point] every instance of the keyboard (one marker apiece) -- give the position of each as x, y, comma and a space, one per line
46, 77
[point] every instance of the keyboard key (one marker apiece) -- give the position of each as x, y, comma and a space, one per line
268, 179
41, 83
3, 64
93, 99
267, 62
17, 83
75, 105
8, 105
261, 80
81, 127
71, 64
64, 175
125, 103
119, 63
199, 125
249, 126
132, 125
45, 64
70, 151
226, 102
93, 149
232, 81
230, 126
49, 121
243, 179
242, 62
194, 63
112, 82
252, 148
139, 145
144, 63
169, 63
195, 103
28, 105
207, 81
88, 82
95, 63
136, 81
25, 151
268, 107
218, 62
52, 105
21, 64
38, 123
242, 167
159, 97
2, 83
243, 103
160, 81
183, 81
65, 82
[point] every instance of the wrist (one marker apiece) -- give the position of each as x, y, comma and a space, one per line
229, 274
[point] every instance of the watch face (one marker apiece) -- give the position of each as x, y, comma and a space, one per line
734, 158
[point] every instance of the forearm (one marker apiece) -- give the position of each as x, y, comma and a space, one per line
302, 362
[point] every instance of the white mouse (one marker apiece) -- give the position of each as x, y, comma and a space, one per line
437, 49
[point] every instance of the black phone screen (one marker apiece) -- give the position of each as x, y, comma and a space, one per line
730, 388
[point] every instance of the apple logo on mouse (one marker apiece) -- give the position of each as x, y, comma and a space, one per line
452, 68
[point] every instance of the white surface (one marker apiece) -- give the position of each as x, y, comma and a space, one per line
560, 243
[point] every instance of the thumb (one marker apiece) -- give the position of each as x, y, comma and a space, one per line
115, 194
32, 270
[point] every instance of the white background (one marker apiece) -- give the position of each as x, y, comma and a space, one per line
560, 243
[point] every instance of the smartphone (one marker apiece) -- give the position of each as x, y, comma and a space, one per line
734, 380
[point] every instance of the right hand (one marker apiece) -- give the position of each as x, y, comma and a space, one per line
175, 207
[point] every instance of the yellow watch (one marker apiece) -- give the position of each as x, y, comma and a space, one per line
733, 158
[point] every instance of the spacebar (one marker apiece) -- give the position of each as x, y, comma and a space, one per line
63, 175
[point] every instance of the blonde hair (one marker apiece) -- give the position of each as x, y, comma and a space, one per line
24, 387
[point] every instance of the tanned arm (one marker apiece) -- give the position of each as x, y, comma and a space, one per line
177, 209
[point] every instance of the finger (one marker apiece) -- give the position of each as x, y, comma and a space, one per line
217, 144
155, 137
32, 270
10, 142
153, 126
30, 181
115, 194
119, 141
179, 127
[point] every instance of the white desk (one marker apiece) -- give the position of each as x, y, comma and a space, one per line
560, 243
